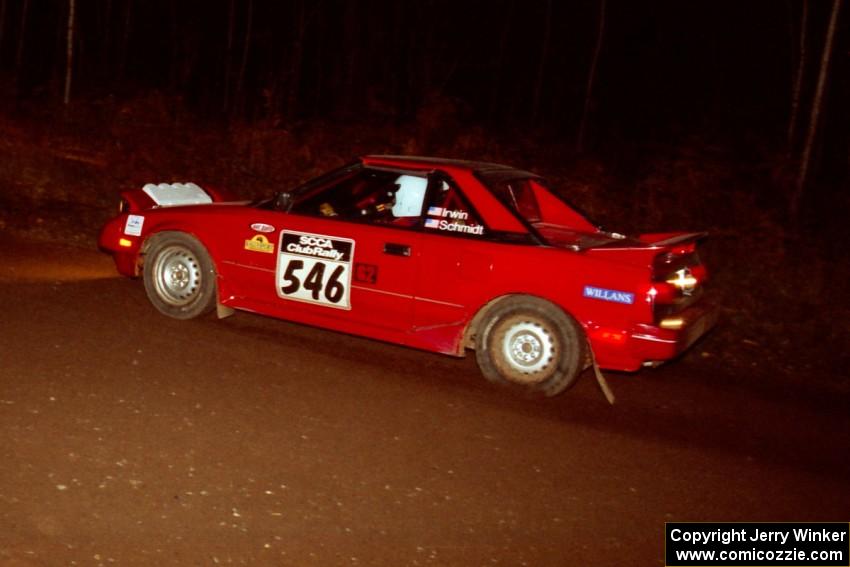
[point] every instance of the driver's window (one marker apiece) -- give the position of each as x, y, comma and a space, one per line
449, 212
373, 196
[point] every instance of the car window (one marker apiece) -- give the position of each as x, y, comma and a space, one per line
449, 211
371, 196
532, 200
519, 195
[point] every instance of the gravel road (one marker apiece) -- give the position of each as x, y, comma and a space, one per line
127, 438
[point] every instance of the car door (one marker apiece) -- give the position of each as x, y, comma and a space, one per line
343, 258
456, 262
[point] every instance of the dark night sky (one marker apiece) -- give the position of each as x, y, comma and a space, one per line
667, 68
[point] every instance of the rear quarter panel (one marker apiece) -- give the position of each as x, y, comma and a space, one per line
461, 276
561, 276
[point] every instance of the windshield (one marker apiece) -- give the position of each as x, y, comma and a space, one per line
311, 186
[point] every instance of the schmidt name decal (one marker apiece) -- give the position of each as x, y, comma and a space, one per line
609, 295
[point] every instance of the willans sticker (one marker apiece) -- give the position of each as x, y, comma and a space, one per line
609, 295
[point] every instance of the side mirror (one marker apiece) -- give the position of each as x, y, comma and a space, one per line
283, 201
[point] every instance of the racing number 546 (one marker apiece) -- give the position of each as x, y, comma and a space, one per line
314, 282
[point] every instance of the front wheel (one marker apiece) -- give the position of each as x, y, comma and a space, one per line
179, 276
530, 344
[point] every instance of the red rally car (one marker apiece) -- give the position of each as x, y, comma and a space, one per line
441, 255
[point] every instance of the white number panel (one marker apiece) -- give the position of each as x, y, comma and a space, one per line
315, 268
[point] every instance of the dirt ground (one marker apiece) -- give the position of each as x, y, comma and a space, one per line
128, 438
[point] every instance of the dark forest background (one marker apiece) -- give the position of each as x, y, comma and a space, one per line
728, 116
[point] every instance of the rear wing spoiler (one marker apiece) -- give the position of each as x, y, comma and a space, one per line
675, 239
651, 245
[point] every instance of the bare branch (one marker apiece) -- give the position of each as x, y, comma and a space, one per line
797, 195
591, 77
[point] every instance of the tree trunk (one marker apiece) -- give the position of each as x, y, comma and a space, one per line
296, 62
228, 54
496, 90
240, 82
426, 69
69, 64
798, 79
2, 22
125, 39
591, 78
107, 32
352, 48
19, 52
817, 102
176, 63
395, 61
541, 67
319, 64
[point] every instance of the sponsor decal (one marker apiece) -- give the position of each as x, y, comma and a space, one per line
134, 225
447, 213
262, 227
449, 226
365, 273
315, 268
609, 295
259, 243
312, 245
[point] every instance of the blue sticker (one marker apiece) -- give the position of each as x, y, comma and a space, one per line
609, 295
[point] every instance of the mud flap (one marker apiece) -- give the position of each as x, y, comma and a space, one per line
600, 378
223, 311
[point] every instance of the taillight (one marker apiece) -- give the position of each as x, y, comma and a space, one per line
683, 280
677, 283
664, 293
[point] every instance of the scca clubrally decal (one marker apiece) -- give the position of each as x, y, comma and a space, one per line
315, 268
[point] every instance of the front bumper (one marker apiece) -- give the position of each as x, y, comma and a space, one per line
651, 344
123, 248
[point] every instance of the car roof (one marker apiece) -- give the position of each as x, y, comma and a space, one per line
424, 162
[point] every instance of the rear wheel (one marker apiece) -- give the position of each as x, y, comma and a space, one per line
179, 276
530, 344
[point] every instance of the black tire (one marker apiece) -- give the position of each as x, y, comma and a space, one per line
179, 276
530, 344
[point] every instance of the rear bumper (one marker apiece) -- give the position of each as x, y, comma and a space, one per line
651, 344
